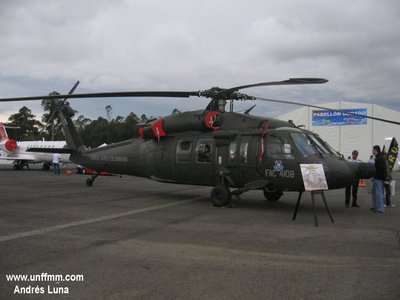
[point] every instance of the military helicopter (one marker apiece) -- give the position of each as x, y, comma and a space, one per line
232, 152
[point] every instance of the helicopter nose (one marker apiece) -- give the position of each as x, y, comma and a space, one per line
365, 170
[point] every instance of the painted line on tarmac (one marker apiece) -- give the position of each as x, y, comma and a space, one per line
19, 235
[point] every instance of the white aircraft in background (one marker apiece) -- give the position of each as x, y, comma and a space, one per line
23, 153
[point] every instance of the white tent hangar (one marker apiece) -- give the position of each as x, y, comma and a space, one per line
346, 132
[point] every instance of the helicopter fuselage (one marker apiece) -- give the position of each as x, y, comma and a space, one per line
241, 151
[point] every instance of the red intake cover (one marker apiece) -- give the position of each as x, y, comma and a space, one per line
141, 133
158, 128
11, 145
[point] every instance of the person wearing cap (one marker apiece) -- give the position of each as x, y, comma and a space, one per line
379, 177
352, 189
386, 185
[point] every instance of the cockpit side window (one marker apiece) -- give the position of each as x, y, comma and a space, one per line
278, 147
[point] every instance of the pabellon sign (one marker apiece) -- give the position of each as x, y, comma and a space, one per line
353, 116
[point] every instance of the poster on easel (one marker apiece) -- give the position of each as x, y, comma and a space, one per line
313, 177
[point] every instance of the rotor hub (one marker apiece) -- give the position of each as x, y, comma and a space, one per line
225, 94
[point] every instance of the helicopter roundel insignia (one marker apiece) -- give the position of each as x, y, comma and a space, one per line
278, 167
210, 119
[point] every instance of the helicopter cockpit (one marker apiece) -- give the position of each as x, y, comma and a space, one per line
306, 143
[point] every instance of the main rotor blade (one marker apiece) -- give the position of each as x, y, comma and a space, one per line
172, 94
211, 93
325, 108
284, 82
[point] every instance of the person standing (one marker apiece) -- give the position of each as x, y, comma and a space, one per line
379, 177
386, 185
353, 189
56, 163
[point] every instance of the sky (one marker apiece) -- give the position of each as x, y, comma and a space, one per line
188, 45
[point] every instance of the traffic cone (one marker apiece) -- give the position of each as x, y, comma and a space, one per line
362, 183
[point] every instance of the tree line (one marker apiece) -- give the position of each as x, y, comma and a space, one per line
26, 127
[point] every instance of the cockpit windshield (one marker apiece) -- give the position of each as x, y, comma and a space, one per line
320, 146
327, 146
303, 144
310, 144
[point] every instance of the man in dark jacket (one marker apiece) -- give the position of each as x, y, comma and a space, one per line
386, 185
379, 178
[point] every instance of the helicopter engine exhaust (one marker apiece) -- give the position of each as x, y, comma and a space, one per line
11, 145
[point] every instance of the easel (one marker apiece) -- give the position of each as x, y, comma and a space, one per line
317, 192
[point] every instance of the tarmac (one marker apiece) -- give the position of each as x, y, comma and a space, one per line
132, 238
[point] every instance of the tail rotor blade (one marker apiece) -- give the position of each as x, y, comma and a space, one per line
59, 106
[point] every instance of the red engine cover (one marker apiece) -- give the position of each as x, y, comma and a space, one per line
11, 145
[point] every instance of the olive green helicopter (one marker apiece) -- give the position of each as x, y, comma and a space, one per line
232, 152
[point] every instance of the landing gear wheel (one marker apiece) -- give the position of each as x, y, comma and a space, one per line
89, 182
272, 195
220, 196
46, 166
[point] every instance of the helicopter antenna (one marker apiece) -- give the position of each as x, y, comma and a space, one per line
247, 111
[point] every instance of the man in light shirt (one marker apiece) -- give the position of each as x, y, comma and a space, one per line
56, 163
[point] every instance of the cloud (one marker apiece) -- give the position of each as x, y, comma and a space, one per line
192, 45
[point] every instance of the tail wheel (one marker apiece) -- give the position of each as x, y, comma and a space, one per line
89, 182
272, 195
221, 196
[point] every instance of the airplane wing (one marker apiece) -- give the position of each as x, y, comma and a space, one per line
50, 150
25, 157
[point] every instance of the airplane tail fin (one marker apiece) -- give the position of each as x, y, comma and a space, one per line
3, 133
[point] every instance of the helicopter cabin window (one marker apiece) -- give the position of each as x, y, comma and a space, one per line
243, 151
278, 147
304, 144
184, 151
204, 151
232, 151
